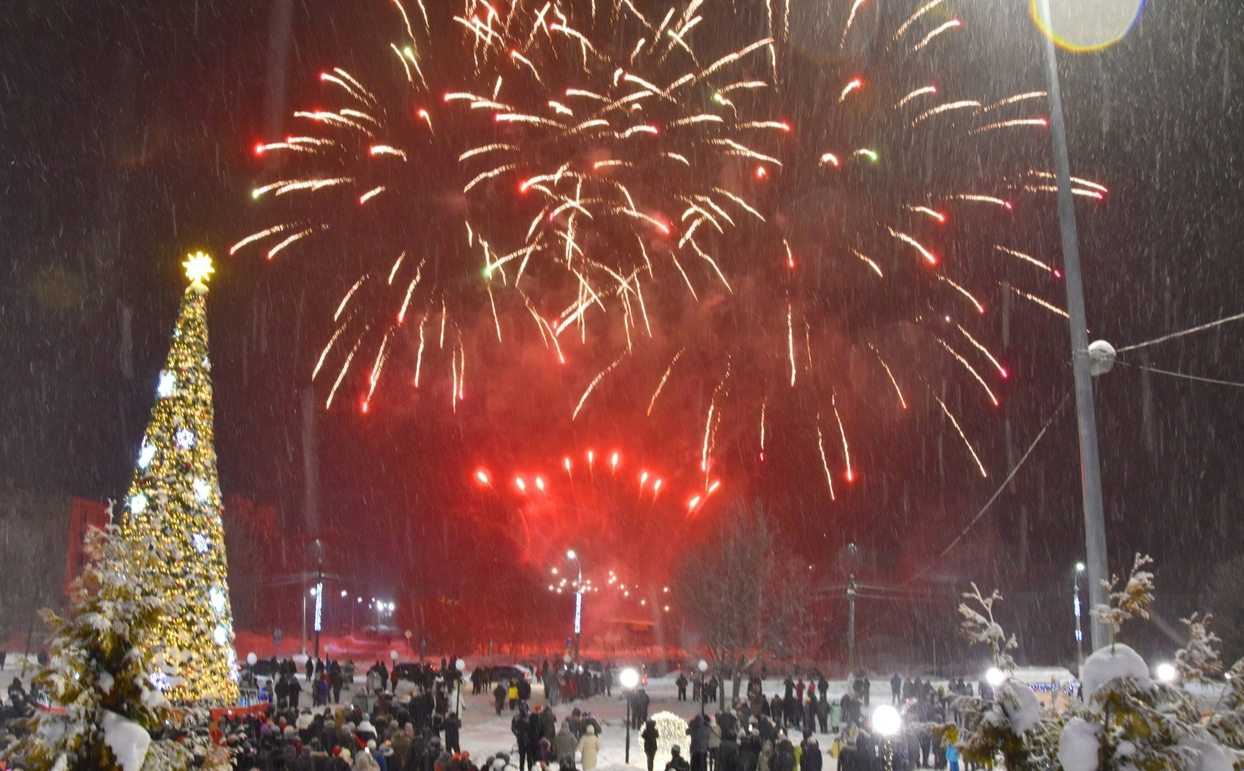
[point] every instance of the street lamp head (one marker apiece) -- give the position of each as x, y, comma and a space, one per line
460, 665
886, 720
702, 666
1079, 567
393, 655
995, 677
566, 658
344, 593
570, 555
1167, 672
629, 678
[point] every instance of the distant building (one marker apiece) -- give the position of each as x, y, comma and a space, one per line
41, 549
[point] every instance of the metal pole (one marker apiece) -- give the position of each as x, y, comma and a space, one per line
1090, 466
851, 627
626, 758
304, 623
1075, 581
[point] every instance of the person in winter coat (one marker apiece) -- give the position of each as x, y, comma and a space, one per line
728, 752
698, 731
811, 760
452, 726
783, 756
749, 750
498, 695
677, 761
681, 682
714, 744
564, 746
649, 737
365, 762
765, 761
589, 747
548, 724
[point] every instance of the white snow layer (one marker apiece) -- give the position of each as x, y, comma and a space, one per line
1109, 663
127, 740
1020, 705
1210, 756
1078, 745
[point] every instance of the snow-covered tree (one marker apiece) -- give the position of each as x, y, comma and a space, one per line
1011, 729
104, 670
1129, 722
1132, 601
1198, 660
980, 628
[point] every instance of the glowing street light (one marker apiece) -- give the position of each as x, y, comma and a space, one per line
995, 677
628, 678
887, 721
1167, 672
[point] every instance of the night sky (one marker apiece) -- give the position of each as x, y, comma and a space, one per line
126, 133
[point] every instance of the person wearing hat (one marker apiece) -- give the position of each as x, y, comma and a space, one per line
589, 747
677, 761
365, 760
564, 746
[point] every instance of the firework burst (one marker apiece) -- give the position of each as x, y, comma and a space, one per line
889, 221
627, 516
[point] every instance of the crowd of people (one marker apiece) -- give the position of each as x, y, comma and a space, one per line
382, 727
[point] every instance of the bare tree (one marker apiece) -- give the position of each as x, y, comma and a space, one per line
745, 601
1224, 596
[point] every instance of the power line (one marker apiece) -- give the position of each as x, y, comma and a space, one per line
1189, 331
1183, 375
1005, 483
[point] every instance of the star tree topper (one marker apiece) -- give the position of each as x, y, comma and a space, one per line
198, 269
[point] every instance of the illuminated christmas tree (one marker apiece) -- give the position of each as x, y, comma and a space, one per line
175, 502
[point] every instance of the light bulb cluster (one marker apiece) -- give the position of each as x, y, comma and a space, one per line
174, 505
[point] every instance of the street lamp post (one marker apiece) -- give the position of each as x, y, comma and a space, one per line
1090, 465
628, 678
459, 665
850, 627
1075, 583
703, 667
578, 601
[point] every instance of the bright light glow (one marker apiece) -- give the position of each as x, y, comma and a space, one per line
886, 720
166, 385
702, 666
146, 455
138, 503
198, 267
570, 555
481, 476
629, 678
1167, 672
995, 677
1079, 567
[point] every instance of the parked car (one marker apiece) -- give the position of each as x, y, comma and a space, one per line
505, 672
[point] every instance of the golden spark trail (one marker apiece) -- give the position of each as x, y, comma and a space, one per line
652, 403
968, 366
594, 383
902, 30
1025, 257
349, 294
890, 373
1044, 304
820, 443
341, 375
981, 347
962, 436
846, 449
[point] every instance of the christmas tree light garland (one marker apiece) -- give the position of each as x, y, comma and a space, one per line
174, 502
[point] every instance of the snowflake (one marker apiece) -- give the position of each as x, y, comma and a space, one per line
138, 503
221, 635
167, 385
217, 599
200, 543
185, 438
159, 680
201, 490
146, 454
